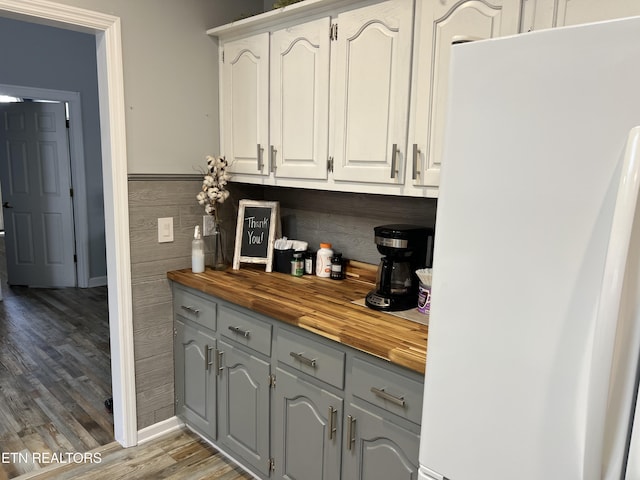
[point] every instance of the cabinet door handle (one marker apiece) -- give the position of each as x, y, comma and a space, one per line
351, 431
219, 367
416, 153
302, 359
394, 160
207, 357
332, 422
272, 157
240, 331
190, 309
379, 392
259, 157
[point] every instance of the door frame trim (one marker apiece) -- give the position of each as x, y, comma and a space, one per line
76, 155
114, 165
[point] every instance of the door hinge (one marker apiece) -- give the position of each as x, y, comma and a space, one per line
330, 164
67, 123
175, 332
222, 56
71, 192
176, 399
333, 31
272, 380
271, 465
75, 258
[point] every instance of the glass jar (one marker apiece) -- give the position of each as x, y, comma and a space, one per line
297, 265
336, 267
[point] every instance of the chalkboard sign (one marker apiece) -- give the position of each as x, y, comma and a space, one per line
256, 231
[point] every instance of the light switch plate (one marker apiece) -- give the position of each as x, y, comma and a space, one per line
165, 230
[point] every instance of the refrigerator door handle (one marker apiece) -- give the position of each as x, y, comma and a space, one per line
609, 306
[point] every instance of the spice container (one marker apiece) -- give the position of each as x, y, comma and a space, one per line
297, 265
309, 262
336, 267
323, 260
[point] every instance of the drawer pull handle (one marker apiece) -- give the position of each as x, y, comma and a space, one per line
220, 367
351, 431
259, 156
207, 357
379, 392
240, 331
302, 359
394, 160
332, 422
190, 309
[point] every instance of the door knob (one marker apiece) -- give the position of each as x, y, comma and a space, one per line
7, 205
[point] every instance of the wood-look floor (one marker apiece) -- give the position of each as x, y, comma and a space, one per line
55, 372
180, 455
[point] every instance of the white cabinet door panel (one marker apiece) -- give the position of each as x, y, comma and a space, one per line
441, 25
371, 90
300, 100
245, 104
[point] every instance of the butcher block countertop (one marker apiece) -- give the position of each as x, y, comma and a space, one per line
319, 305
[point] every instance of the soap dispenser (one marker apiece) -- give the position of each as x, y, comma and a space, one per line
197, 251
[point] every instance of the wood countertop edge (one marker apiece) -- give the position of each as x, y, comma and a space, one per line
402, 342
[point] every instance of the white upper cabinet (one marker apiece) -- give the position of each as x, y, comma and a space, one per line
351, 95
439, 26
299, 97
371, 92
540, 14
244, 101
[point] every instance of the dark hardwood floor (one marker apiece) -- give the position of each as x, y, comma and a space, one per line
55, 373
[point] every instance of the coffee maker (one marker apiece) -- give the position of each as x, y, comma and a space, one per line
406, 248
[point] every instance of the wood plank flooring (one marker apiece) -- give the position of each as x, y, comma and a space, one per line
180, 455
55, 372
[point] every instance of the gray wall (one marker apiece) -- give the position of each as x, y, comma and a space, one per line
44, 57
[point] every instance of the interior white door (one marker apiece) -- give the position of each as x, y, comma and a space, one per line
36, 190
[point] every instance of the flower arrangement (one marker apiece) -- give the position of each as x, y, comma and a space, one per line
214, 189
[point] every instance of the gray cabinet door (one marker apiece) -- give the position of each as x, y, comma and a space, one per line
308, 430
195, 377
244, 405
378, 449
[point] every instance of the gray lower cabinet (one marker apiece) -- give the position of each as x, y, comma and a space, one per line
244, 405
378, 449
307, 430
195, 383
289, 404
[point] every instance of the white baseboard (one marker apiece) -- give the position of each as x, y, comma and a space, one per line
158, 429
97, 281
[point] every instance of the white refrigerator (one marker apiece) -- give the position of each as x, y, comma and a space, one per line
534, 332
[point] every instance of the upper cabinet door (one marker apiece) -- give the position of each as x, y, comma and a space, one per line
245, 104
440, 25
300, 100
540, 14
371, 92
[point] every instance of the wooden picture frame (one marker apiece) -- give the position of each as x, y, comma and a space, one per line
257, 228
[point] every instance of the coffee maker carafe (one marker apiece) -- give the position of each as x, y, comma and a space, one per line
406, 248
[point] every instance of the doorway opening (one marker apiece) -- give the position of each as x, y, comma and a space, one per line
106, 29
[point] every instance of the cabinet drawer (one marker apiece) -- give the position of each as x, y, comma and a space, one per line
245, 329
194, 307
313, 358
386, 389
